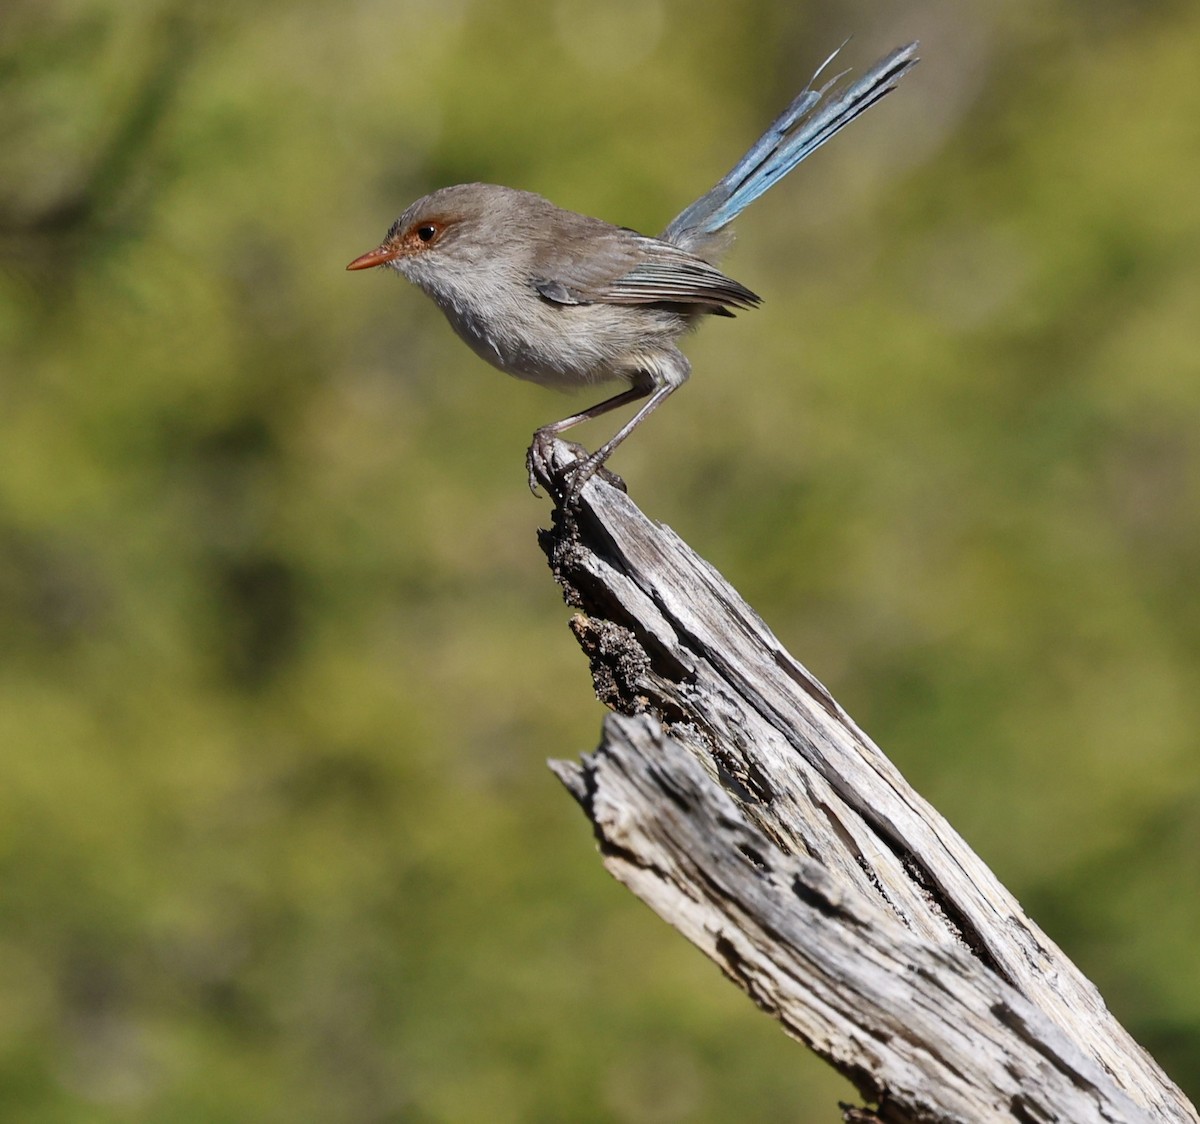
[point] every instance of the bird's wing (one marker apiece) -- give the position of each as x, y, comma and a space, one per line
618, 266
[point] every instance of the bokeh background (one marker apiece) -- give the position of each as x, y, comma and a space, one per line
280, 661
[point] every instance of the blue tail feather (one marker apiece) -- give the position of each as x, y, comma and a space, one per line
800, 130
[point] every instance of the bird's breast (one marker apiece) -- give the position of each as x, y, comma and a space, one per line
560, 346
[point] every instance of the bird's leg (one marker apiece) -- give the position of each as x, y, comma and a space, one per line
538, 450
658, 381
583, 470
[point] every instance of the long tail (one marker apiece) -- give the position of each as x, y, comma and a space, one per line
800, 130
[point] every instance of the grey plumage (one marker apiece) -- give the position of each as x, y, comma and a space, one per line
566, 301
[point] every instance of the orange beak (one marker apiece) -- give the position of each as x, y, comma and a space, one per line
381, 255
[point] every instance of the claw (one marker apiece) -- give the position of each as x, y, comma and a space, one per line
531, 467
541, 469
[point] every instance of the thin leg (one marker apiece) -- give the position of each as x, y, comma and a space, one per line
547, 432
613, 403
582, 471
537, 455
665, 373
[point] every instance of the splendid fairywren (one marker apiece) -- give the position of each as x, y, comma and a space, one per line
567, 301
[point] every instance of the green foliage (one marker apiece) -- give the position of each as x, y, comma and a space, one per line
279, 659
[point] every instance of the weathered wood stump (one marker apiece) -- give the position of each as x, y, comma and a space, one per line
736, 798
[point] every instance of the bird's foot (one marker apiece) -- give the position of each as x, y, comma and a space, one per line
543, 468
581, 471
540, 461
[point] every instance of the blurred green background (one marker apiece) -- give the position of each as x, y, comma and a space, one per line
280, 661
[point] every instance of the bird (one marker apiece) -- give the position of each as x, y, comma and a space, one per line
569, 302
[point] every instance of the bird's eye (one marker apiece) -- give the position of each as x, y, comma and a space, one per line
427, 231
